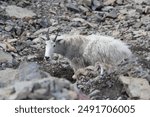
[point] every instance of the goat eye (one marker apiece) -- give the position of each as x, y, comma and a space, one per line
54, 45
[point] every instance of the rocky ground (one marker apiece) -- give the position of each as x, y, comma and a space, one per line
24, 74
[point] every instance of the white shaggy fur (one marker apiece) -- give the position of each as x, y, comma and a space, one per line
83, 51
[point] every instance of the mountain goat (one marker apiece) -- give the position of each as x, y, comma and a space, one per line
83, 51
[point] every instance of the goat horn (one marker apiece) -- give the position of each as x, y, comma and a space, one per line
47, 35
56, 36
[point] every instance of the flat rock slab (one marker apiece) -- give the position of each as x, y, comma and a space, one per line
136, 88
19, 12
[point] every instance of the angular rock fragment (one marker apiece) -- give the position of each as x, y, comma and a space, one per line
30, 71
5, 57
8, 76
136, 88
72, 7
142, 1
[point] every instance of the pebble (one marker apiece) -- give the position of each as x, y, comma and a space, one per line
18, 30
3, 46
97, 5
44, 22
100, 17
108, 8
83, 9
137, 24
112, 14
145, 20
132, 13
148, 27
120, 2
41, 92
87, 2
139, 9
109, 2
72, 7
142, 1
8, 28
147, 10
93, 93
